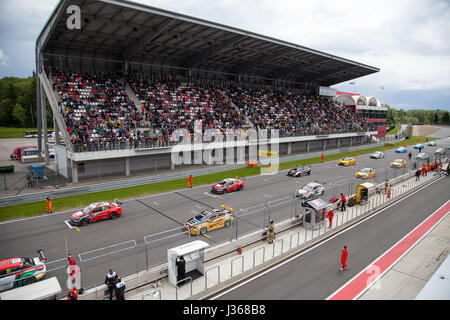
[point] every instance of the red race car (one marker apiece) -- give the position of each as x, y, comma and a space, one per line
96, 212
228, 185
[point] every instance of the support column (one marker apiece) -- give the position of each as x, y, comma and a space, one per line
74, 172
127, 166
56, 131
307, 146
172, 164
324, 144
289, 148
351, 141
338, 143
44, 125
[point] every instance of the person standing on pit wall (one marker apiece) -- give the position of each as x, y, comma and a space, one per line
270, 233
386, 185
418, 175
49, 204
181, 269
72, 266
389, 192
73, 294
190, 181
343, 201
120, 289
344, 257
111, 281
322, 157
330, 216
424, 170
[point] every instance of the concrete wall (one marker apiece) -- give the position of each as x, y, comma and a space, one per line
114, 162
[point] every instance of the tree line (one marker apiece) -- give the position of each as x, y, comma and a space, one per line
18, 107
18, 103
417, 116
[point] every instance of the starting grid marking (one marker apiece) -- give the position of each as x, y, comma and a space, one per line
70, 226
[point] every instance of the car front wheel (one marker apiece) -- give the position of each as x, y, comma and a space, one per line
84, 222
114, 216
203, 230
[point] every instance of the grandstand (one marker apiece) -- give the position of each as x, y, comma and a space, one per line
369, 108
129, 75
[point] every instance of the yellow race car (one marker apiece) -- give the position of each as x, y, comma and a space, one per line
209, 219
366, 173
347, 162
398, 163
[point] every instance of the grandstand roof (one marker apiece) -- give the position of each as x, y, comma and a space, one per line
114, 31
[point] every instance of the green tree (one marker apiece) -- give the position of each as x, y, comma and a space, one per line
436, 118
446, 118
19, 115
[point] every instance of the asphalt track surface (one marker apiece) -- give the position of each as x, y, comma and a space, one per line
316, 275
160, 218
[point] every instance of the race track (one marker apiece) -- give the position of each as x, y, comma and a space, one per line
159, 216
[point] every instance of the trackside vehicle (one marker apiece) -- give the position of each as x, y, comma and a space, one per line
20, 271
96, 212
209, 219
17, 152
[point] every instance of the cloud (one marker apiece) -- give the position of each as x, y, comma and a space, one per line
4, 60
406, 39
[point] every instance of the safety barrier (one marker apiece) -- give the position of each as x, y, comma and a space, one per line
231, 263
182, 281
206, 275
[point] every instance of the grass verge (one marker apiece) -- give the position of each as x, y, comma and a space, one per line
66, 203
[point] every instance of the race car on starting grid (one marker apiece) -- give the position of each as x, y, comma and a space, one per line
366, 173
311, 191
347, 162
299, 171
96, 212
228, 185
398, 163
377, 155
209, 219
19, 272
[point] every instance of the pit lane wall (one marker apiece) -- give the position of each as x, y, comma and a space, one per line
230, 248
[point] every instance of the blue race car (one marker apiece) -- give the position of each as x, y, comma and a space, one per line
401, 150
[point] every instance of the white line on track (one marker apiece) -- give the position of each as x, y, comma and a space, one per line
68, 224
321, 243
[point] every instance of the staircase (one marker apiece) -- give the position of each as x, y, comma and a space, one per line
53, 99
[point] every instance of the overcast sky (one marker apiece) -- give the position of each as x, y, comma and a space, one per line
408, 40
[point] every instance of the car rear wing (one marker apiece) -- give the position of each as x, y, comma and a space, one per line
42, 256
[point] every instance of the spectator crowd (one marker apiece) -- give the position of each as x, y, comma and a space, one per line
98, 112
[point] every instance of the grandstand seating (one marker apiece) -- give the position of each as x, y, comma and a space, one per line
295, 114
96, 108
99, 115
169, 103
